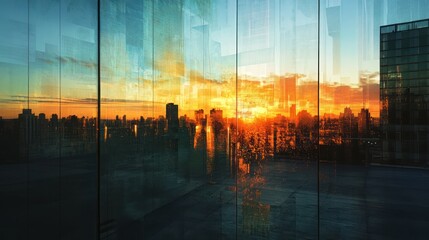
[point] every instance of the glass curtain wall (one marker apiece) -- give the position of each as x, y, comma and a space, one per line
167, 114
48, 114
373, 119
14, 153
277, 90
214, 119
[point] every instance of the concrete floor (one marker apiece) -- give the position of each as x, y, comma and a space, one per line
355, 202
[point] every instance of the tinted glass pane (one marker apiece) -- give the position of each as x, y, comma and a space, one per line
369, 133
14, 26
277, 119
78, 114
48, 133
168, 94
203, 119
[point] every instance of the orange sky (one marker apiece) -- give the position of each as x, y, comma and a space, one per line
256, 98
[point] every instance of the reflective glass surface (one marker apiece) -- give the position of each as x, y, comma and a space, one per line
214, 119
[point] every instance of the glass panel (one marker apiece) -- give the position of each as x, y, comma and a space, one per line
78, 114
168, 92
14, 136
127, 130
366, 148
277, 119
48, 79
44, 160
194, 88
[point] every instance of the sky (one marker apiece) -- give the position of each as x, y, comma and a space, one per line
186, 54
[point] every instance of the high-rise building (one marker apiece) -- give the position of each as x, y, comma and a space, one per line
216, 119
216, 114
364, 119
199, 116
124, 121
404, 92
172, 111
348, 125
292, 112
172, 115
27, 122
285, 91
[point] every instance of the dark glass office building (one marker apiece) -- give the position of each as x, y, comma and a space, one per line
404, 92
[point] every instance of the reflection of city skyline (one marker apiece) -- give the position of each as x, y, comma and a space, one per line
345, 125
257, 97
196, 119
198, 113
215, 139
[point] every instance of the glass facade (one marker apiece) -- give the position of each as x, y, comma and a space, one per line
404, 92
214, 119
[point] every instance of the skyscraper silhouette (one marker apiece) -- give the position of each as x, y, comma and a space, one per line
172, 114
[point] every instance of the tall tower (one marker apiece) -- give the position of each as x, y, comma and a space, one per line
27, 122
172, 115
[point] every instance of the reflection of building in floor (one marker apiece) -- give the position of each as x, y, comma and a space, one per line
256, 218
256, 213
